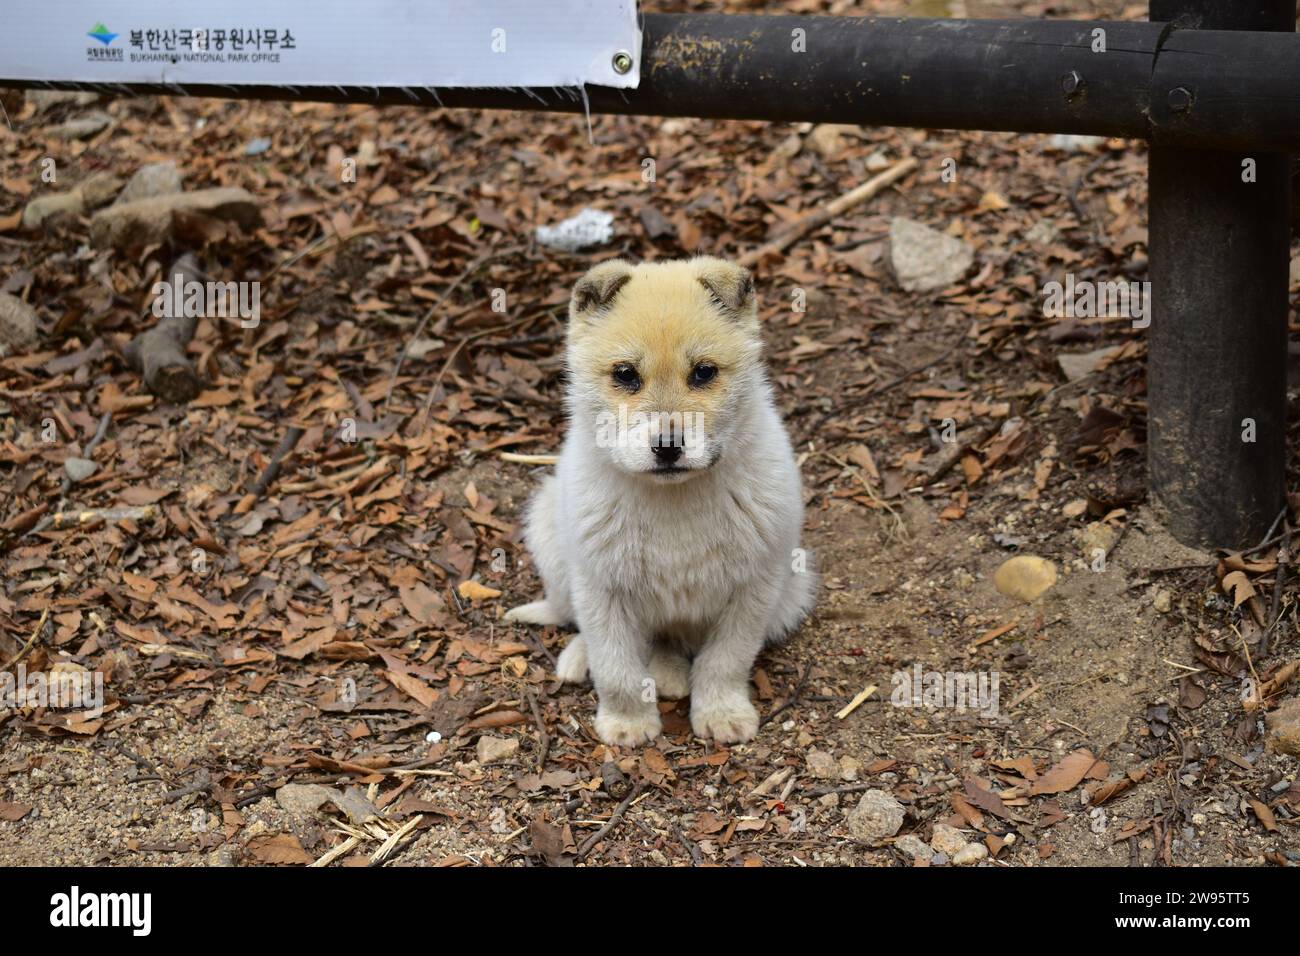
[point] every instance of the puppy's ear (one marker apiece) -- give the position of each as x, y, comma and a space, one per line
598, 288
729, 284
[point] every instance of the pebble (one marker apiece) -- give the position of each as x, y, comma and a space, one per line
79, 469
947, 840
1025, 577
496, 749
970, 853
925, 259
877, 816
821, 765
914, 847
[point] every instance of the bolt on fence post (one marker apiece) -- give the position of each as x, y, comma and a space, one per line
1219, 243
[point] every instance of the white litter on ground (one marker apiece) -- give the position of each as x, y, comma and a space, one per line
591, 227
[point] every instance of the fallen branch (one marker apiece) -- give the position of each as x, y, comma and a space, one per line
287, 444
528, 459
159, 354
82, 518
836, 207
612, 822
31, 642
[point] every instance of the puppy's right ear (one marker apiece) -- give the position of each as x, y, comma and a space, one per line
598, 288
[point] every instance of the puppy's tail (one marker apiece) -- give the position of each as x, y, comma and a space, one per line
538, 612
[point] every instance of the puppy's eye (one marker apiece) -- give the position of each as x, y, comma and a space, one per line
627, 376
703, 374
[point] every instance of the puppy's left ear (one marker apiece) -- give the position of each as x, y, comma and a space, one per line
729, 284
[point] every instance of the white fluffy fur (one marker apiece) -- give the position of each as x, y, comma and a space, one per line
675, 586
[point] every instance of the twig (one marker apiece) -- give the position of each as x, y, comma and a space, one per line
829, 211
543, 738
287, 445
202, 784
1279, 581
31, 641
794, 696
528, 459
419, 329
612, 822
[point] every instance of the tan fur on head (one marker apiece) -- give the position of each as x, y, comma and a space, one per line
665, 321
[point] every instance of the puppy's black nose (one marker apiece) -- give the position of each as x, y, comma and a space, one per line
666, 454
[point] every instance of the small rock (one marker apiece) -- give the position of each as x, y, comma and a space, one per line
155, 179
947, 840
850, 768
822, 765
1025, 577
82, 127
17, 325
258, 146
970, 853
79, 469
914, 847
877, 816
148, 221
496, 749
1093, 537
304, 798
924, 259
1284, 728
1164, 602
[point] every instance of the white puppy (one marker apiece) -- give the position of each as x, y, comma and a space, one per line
670, 532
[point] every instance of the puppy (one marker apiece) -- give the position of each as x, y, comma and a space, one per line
670, 532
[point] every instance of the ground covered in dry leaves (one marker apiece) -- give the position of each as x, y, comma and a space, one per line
319, 671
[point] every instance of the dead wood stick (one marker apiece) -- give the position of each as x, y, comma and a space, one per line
159, 354
793, 699
287, 444
544, 739
31, 642
836, 207
1279, 581
614, 817
945, 459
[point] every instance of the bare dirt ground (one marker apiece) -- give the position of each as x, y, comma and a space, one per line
257, 648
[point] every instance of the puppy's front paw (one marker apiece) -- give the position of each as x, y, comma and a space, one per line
627, 729
571, 667
731, 720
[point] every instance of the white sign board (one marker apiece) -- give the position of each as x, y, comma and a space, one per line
371, 43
